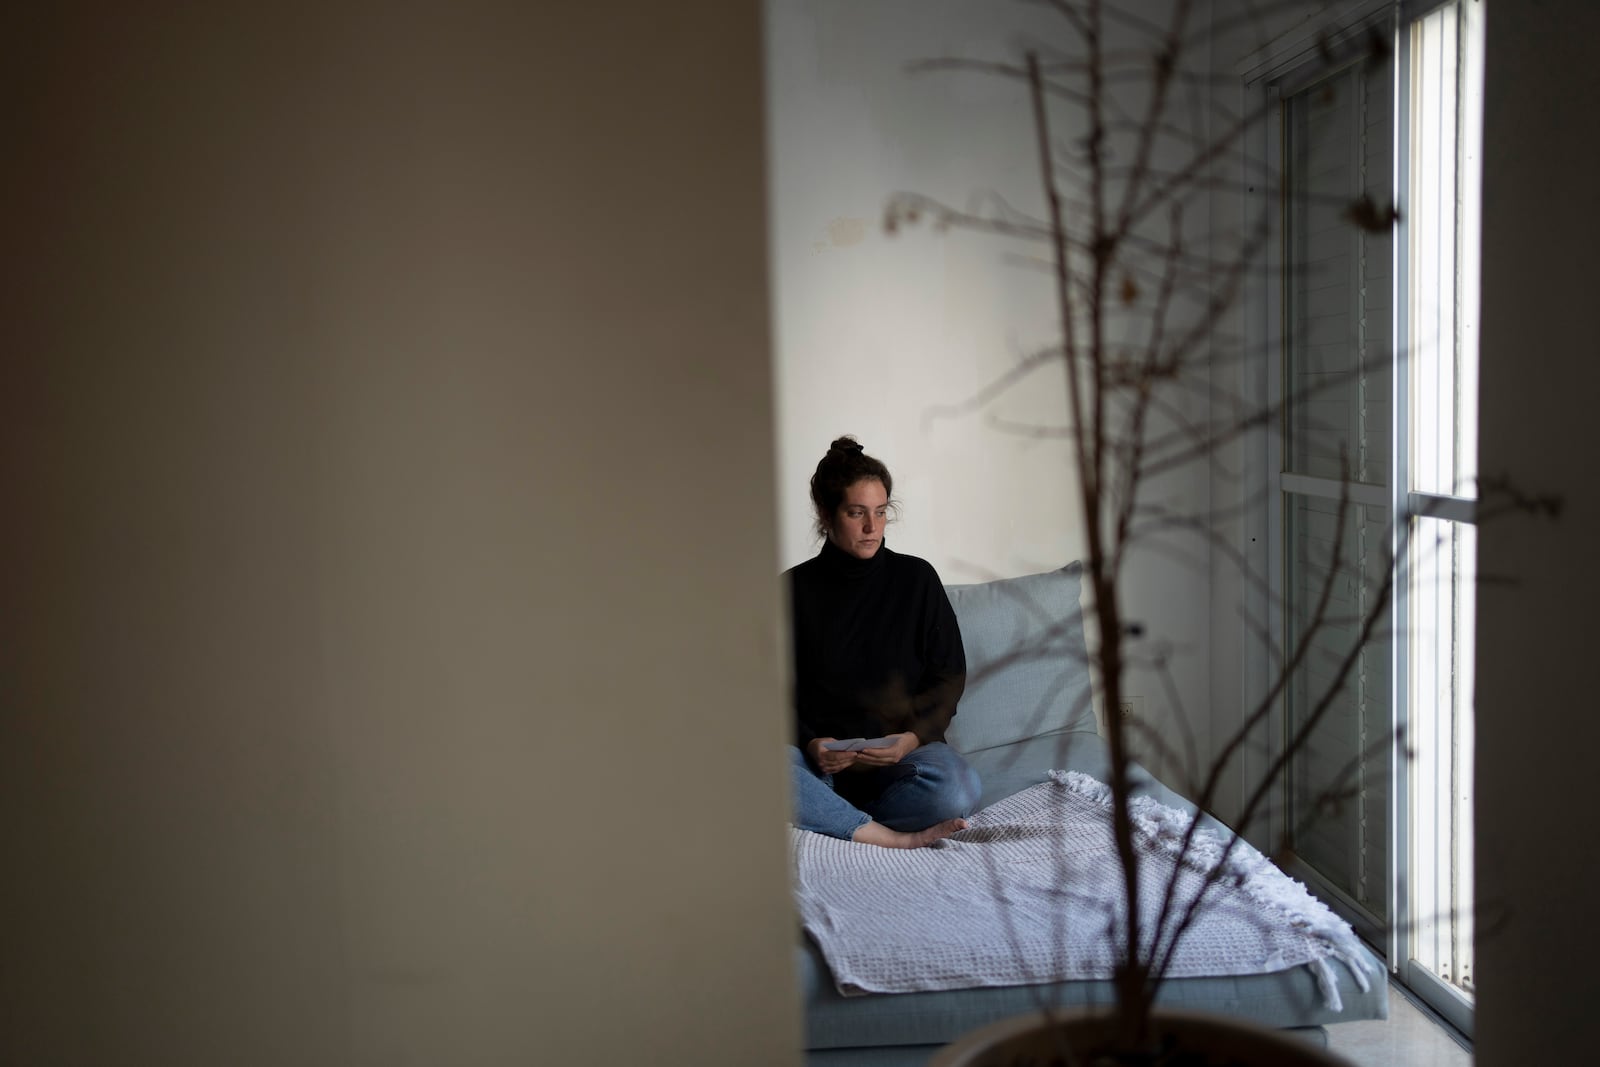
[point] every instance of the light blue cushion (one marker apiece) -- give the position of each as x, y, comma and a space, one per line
1027, 664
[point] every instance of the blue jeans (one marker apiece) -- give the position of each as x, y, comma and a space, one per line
929, 786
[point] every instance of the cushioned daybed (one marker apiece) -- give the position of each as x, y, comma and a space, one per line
1027, 711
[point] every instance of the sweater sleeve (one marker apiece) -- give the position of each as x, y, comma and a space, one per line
798, 627
803, 734
944, 676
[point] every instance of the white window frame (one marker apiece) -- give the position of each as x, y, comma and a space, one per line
1263, 80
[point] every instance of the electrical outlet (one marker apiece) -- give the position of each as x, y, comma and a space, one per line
1131, 707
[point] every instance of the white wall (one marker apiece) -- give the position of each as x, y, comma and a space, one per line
1538, 733
386, 449
878, 334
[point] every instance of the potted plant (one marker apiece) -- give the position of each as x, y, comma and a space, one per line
1137, 303
1172, 1039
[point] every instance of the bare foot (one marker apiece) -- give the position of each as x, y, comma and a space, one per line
875, 833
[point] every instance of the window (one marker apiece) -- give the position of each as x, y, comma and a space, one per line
1442, 68
1373, 478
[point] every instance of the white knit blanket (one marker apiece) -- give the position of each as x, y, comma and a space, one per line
1030, 892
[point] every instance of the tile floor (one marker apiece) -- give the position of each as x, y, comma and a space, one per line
1407, 1037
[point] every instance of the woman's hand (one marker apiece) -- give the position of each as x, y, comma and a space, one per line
904, 745
830, 762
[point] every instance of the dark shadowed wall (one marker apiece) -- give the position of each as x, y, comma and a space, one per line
1538, 727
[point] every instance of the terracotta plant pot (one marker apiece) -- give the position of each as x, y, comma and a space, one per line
1181, 1039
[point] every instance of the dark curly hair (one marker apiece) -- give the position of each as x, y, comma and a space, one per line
844, 465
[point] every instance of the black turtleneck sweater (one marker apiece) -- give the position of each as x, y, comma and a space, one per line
877, 649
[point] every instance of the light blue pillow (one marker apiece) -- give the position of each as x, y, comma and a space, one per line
1027, 664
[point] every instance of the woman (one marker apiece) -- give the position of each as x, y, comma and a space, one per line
877, 655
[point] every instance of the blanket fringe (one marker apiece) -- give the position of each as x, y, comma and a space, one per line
1327, 984
1165, 827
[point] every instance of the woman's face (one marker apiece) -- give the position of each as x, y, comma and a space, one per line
857, 527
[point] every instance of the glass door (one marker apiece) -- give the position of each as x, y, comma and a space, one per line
1376, 490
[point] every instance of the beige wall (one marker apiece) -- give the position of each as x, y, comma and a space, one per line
1538, 731
389, 602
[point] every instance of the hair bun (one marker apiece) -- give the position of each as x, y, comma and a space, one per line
847, 445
